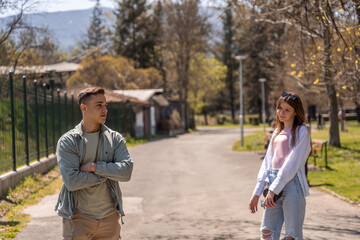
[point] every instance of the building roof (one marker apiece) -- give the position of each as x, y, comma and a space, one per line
161, 100
109, 94
142, 94
57, 67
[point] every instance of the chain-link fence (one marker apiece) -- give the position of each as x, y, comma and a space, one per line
33, 117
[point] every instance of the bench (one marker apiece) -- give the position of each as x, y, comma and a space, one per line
319, 146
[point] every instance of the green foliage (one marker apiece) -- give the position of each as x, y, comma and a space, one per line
5, 119
206, 80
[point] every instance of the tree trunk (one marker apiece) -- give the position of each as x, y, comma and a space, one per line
180, 89
187, 112
205, 118
186, 85
334, 136
229, 60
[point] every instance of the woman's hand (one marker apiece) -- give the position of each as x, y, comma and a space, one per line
253, 203
269, 200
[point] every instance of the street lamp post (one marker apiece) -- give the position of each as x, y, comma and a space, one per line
241, 115
263, 114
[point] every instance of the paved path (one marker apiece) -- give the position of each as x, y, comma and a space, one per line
194, 187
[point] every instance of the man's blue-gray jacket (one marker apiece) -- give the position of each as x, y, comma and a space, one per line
113, 164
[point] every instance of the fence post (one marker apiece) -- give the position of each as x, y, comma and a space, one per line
46, 126
66, 115
53, 118
37, 122
59, 108
11, 85
72, 110
26, 124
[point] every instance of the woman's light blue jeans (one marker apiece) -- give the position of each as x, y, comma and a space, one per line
290, 208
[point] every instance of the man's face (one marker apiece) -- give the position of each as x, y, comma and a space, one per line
95, 110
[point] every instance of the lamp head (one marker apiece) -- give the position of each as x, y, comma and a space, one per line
240, 57
262, 80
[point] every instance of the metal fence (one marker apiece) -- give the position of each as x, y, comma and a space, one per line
33, 117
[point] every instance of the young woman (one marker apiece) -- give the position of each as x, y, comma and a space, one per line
283, 171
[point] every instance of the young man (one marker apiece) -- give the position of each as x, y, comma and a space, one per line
92, 159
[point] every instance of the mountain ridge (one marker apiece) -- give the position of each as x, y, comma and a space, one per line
67, 27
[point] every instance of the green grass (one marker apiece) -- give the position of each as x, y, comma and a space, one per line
131, 141
28, 192
251, 142
343, 174
212, 121
227, 124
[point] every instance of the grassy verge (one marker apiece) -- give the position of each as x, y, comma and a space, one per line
28, 192
227, 124
131, 141
343, 174
254, 142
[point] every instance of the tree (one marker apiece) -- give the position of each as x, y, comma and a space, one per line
261, 42
206, 81
114, 73
13, 22
133, 38
21, 43
30, 46
228, 58
323, 49
184, 33
158, 58
96, 33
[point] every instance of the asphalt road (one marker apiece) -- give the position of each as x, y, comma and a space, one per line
195, 187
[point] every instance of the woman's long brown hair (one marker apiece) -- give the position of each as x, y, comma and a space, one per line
299, 118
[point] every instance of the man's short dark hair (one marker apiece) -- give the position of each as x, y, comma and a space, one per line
85, 94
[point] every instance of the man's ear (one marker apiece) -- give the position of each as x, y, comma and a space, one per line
83, 107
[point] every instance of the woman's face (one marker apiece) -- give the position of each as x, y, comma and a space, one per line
286, 113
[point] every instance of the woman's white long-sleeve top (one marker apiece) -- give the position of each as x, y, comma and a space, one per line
294, 164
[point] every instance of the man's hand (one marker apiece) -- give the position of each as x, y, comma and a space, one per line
88, 167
